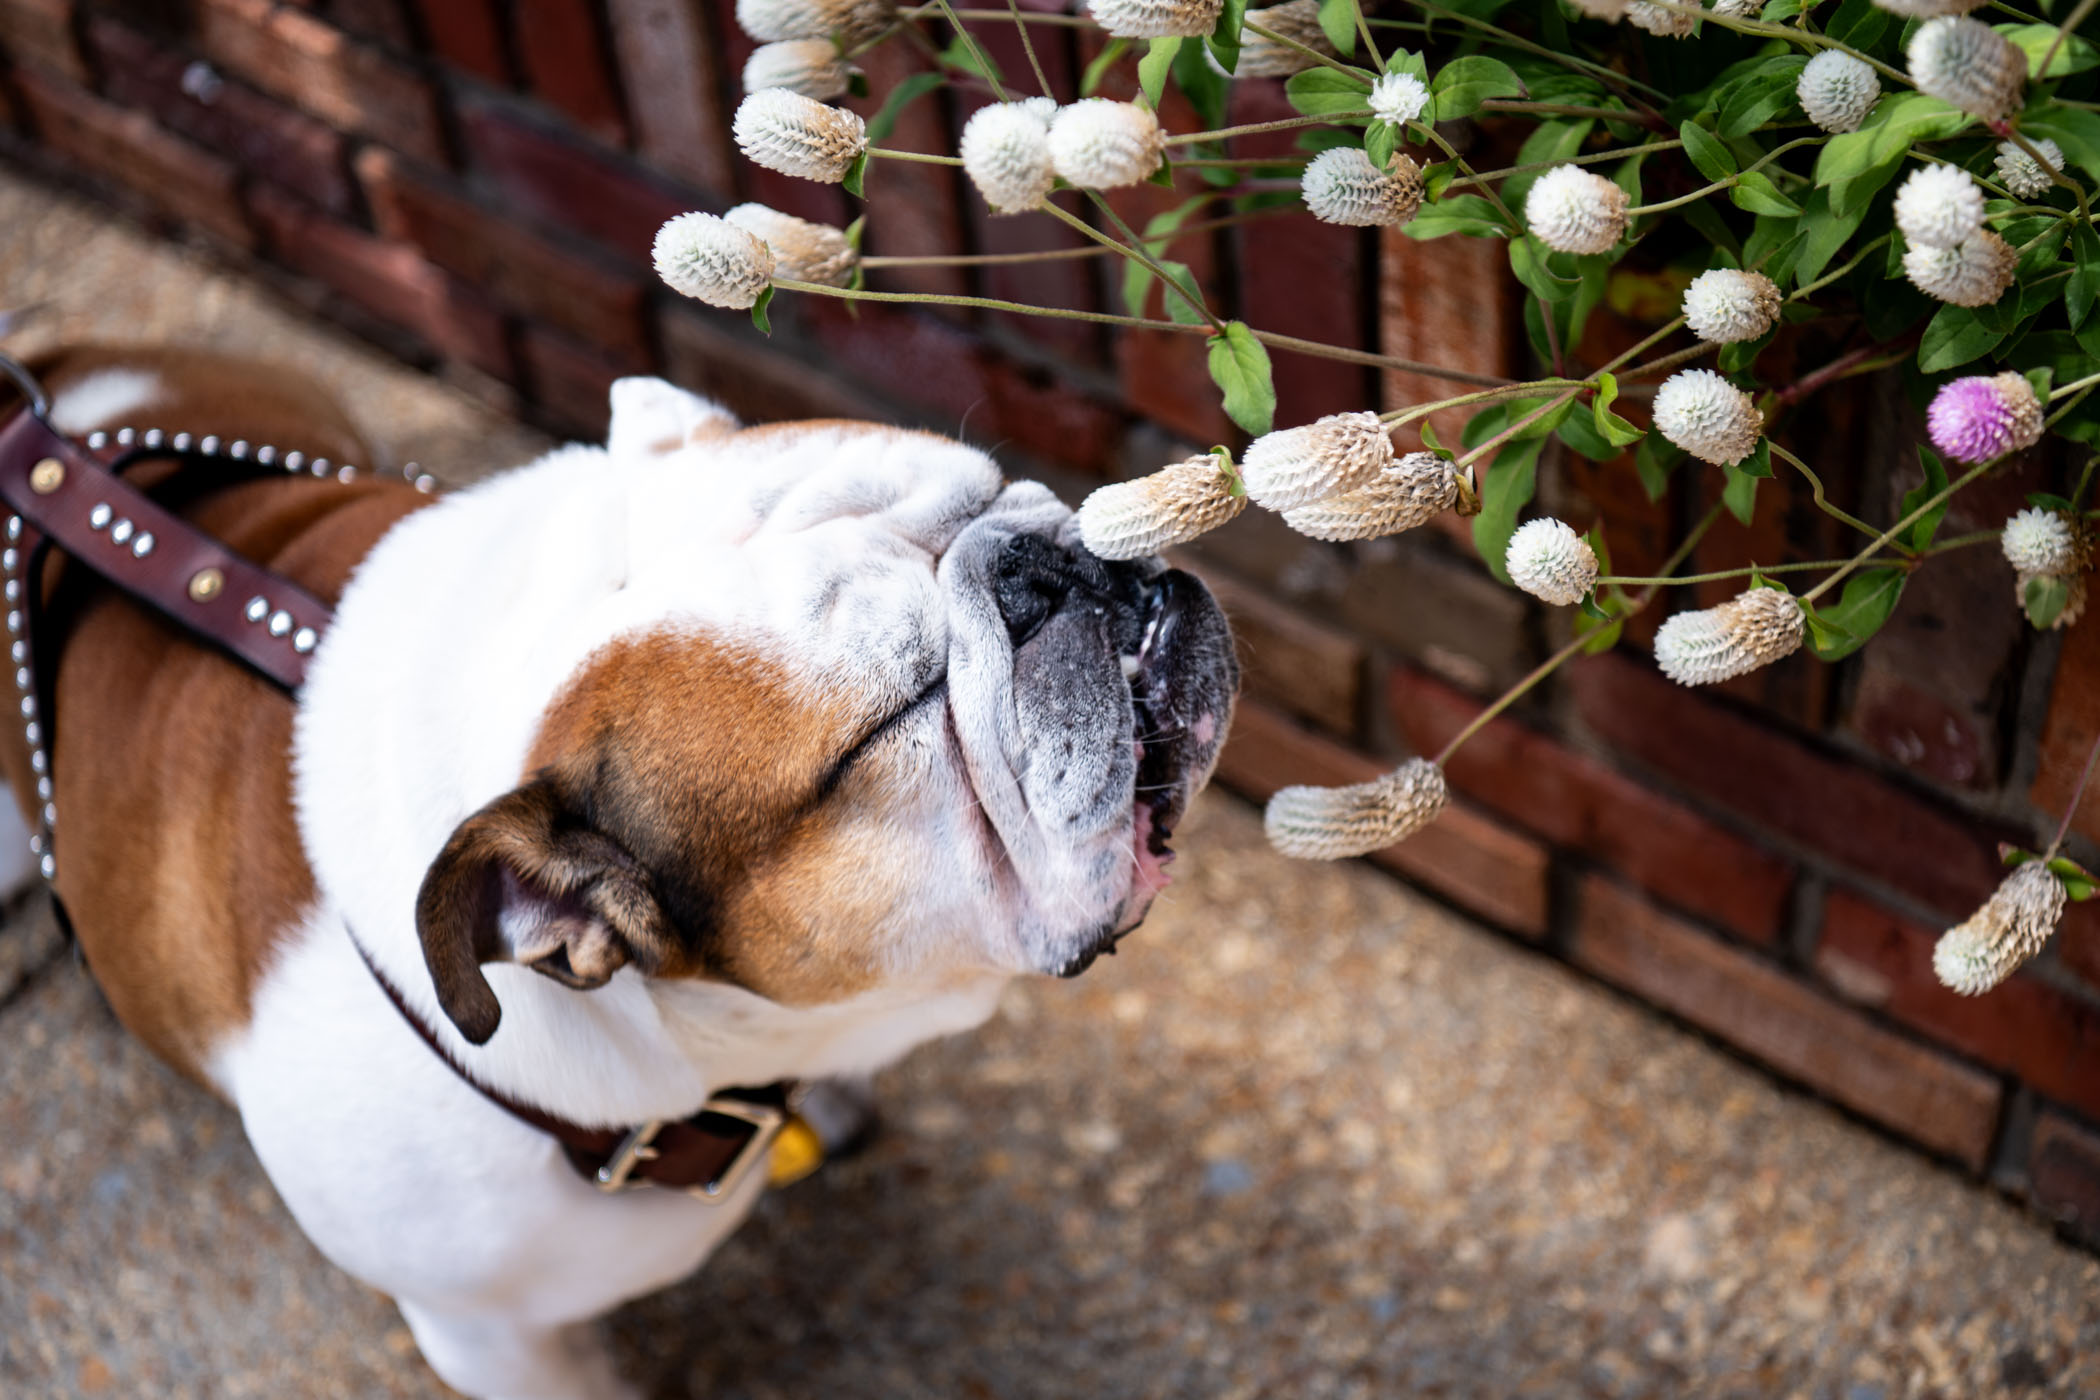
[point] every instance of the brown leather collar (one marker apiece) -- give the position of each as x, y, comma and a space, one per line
73, 497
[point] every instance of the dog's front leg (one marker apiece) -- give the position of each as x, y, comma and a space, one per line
492, 1357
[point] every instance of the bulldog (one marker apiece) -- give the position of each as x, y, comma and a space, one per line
714, 756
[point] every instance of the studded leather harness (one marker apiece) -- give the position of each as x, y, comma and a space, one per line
73, 496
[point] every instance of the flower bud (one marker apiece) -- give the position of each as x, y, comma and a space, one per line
1725, 306
852, 21
1939, 206
1981, 416
1298, 21
802, 251
1573, 211
1131, 519
1099, 144
1341, 186
1398, 98
1006, 153
712, 260
1408, 492
1316, 823
1837, 91
1548, 560
2019, 172
1975, 274
811, 67
1749, 631
796, 135
1156, 19
1660, 20
1293, 467
1708, 417
2011, 927
1967, 64
2038, 541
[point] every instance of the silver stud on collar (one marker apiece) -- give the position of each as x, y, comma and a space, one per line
304, 639
293, 461
99, 516
258, 608
48, 866
267, 455
143, 545
14, 620
126, 437
153, 438
280, 623
120, 532
96, 441
239, 449
37, 762
346, 474
320, 466
14, 527
210, 444
181, 442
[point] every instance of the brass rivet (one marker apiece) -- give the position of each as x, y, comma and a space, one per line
205, 585
47, 476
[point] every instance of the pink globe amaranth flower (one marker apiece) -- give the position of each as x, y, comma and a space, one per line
1978, 417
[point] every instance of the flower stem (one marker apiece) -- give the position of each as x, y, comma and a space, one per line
1896, 529
1673, 580
887, 153
1092, 250
1562, 109
1025, 17
1306, 51
2077, 795
1823, 502
1256, 128
1013, 9
1136, 253
1582, 65
1592, 158
977, 54
1401, 417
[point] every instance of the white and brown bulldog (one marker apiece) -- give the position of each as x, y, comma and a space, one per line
714, 756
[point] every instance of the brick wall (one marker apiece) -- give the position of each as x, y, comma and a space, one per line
476, 184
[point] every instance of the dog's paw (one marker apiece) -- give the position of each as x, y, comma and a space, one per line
496, 1358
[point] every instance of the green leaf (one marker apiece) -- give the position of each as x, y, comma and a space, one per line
1155, 65
903, 95
1759, 195
1869, 598
759, 318
1549, 144
1760, 97
1239, 365
2084, 283
1322, 92
1614, 429
965, 56
1508, 488
1090, 81
1465, 83
2078, 132
1601, 636
1858, 23
856, 176
1224, 38
1459, 213
1185, 309
1740, 494
1429, 439
1379, 143
1935, 482
1411, 62
1137, 278
2074, 55
1707, 222
1707, 151
1827, 233
856, 231
1528, 259
1338, 23
1583, 439
1654, 460
1954, 337
1207, 90
1739, 355
2044, 599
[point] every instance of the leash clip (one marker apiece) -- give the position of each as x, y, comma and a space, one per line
764, 1121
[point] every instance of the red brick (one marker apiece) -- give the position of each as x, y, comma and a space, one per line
2063, 1174
391, 280
468, 35
1448, 302
1165, 374
673, 81
756, 379
1834, 807
1581, 804
126, 147
571, 383
260, 135
321, 70
1441, 612
2072, 729
384, 20
915, 209
1038, 411
565, 62
522, 271
1286, 658
1463, 856
1837, 1051
567, 184
43, 30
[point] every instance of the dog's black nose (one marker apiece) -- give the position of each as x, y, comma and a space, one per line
1035, 576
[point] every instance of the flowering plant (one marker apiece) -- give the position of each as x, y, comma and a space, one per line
1914, 177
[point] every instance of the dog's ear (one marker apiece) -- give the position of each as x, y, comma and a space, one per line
524, 881
651, 418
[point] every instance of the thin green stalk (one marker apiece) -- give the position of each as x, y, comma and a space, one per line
1589, 158
1136, 253
1962, 542
2085, 478
1092, 250
2063, 30
919, 157
1731, 182
1564, 109
1669, 361
1805, 38
1305, 51
2063, 827
1026, 16
1042, 79
2075, 400
1256, 128
1399, 417
1823, 502
1363, 30
1583, 65
1857, 258
969, 40
1672, 581
1517, 427
2073, 387
1896, 529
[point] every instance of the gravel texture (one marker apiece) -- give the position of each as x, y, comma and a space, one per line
1310, 1135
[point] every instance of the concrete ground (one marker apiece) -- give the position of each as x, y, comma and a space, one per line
1310, 1135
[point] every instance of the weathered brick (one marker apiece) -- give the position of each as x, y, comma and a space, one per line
321, 70
1165, 374
125, 146
673, 81
261, 135
1848, 815
1041, 412
565, 183
2063, 1174
517, 268
1447, 302
1463, 856
2072, 730
566, 65
468, 35
384, 20
916, 209
1579, 803
42, 30
571, 384
1926, 1096
1286, 658
391, 280
1448, 615
760, 383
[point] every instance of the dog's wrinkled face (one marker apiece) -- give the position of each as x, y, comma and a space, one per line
868, 715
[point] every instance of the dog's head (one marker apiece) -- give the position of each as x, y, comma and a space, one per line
862, 714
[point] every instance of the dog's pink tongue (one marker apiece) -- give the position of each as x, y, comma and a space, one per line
1152, 876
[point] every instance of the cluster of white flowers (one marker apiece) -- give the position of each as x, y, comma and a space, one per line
1837, 91
1398, 98
1974, 274
1006, 153
1939, 206
2042, 544
1710, 418
1573, 211
1342, 186
1725, 306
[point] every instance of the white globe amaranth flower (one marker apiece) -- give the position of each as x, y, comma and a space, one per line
1261, 57
1725, 306
2038, 541
1661, 20
1101, 144
1316, 823
1837, 91
1975, 274
1155, 19
811, 67
1573, 211
1548, 560
1398, 98
1738, 9
2011, 927
797, 135
1342, 186
802, 251
1967, 64
770, 21
1006, 153
2018, 171
1749, 631
1133, 519
1929, 9
1939, 206
1405, 493
712, 260
1708, 417
1294, 467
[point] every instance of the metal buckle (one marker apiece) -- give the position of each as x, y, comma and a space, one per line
635, 1149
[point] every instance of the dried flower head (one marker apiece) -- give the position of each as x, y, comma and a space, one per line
1100, 144
1573, 211
1398, 98
2038, 541
1611, 11
1156, 19
1939, 206
1708, 417
1006, 153
1405, 493
1975, 274
769, 21
1724, 305
2019, 172
811, 67
1548, 560
1753, 629
1967, 64
1929, 9
802, 251
712, 260
1738, 9
1341, 186
1662, 21
1132, 519
1316, 823
1298, 21
1294, 467
1982, 416
1837, 91
796, 135
2011, 927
